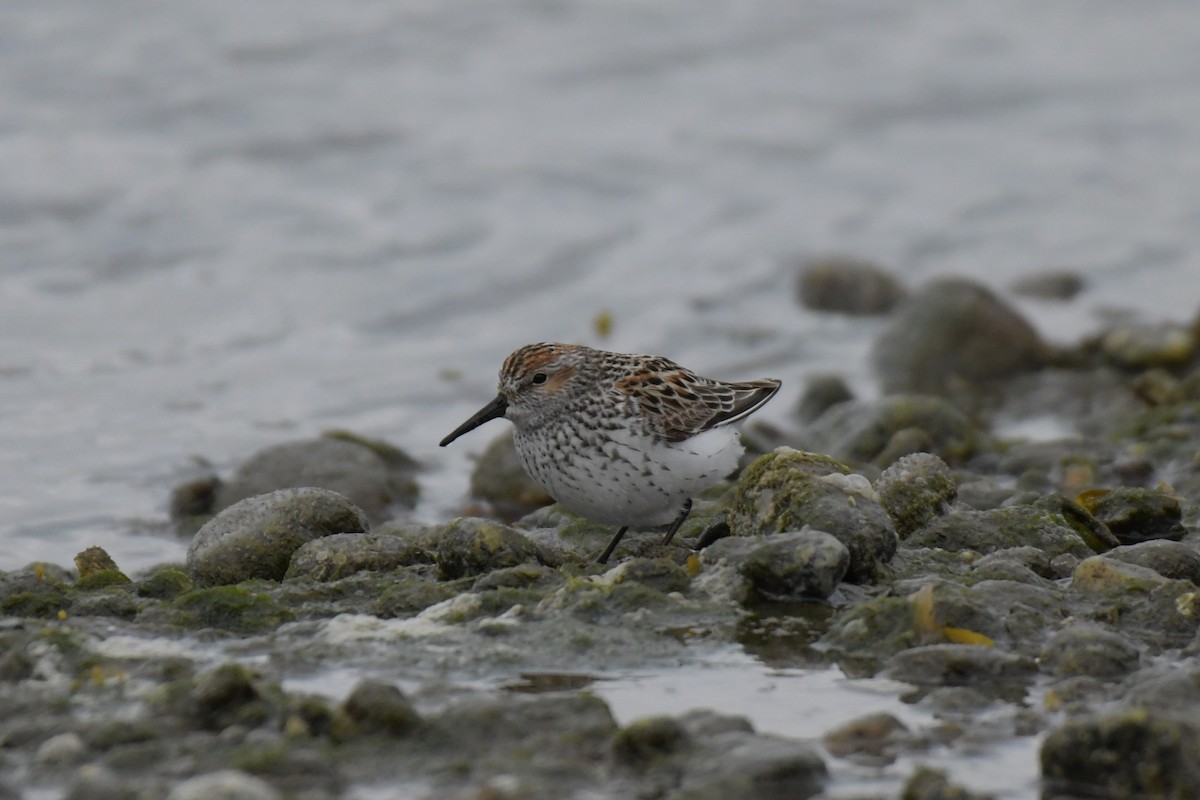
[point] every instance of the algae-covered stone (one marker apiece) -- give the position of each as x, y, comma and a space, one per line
915, 489
226, 784
1000, 528
765, 768
338, 555
646, 740
1085, 649
164, 583
1165, 344
785, 566
927, 783
880, 431
255, 538
1169, 559
230, 694
1136, 515
959, 665
821, 393
501, 480
471, 546
1095, 533
847, 285
873, 740
412, 593
233, 608
787, 489
955, 332
374, 709
659, 574
1158, 611
95, 560
374, 476
1132, 753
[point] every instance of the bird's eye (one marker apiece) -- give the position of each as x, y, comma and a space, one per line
538, 378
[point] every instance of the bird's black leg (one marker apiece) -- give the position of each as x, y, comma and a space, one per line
603, 559
683, 514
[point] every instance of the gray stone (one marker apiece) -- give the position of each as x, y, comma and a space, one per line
256, 537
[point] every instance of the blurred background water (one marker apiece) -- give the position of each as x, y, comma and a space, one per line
228, 224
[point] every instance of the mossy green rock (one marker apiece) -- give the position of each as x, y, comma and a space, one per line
647, 740
164, 583
880, 431
914, 490
374, 708
1133, 753
1136, 515
338, 555
256, 537
787, 489
472, 546
1001, 528
232, 608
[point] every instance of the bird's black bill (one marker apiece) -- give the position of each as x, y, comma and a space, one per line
491, 411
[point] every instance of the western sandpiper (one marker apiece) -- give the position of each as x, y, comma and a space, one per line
620, 439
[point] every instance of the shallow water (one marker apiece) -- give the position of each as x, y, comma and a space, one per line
225, 225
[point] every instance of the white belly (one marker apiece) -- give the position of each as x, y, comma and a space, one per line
626, 479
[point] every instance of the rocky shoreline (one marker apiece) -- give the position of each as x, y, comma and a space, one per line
903, 537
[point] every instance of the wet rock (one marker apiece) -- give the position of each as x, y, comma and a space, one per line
664, 573
1159, 612
1000, 528
374, 709
1169, 690
256, 537
230, 695
35, 591
785, 490
164, 583
759, 767
1094, 532
1147, 346
96, 560
1030, 560
500, 479
16, 662
233, 608
872, 740
1135, 514
880, 431
847, 285
647, 740
1167, 558
1129, 754
93, 782
64, 748
954, 334
411, 594
821, 393
932, 784
374, 476
914, 490
791, 565
338, 555
1085, 649
227, 784
559, 728
194, 498
471, 546
1052, 285
985, 668
659, 574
